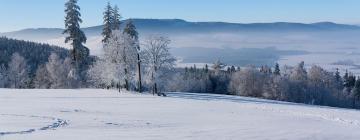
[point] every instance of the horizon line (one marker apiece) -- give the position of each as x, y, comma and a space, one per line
190, 21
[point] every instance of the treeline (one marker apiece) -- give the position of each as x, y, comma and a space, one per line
314, 86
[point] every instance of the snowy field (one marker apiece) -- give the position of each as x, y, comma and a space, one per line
89, 114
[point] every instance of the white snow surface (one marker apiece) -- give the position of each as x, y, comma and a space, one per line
93, 114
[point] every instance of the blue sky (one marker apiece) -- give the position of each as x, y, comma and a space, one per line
19, 14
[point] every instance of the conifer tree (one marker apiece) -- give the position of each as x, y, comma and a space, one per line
130, 29
337, 75
346, 79
206, 68
338, 80
76, 36
108, 21
116, 18
277, 69
356, 92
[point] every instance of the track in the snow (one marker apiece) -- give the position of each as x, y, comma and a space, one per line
56, 124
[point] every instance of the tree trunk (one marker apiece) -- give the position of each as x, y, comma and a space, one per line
119, 87
139, 73
354, 101
126, 80
155, 88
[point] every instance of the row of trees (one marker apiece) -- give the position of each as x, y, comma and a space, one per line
56, 73
293, 84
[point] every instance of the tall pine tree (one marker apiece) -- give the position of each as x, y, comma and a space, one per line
346, 79
277, 69
116, 18
338, 80
76, 36
130, 29
337, 75
108, 21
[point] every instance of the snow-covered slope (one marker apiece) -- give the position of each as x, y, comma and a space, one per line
90, 114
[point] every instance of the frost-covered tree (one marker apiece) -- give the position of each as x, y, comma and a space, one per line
193, 80
157, 58
130, 29
75, 36
18, 72
122, 50
42, 78
298, 86
108, 22
276, 88
119, 53
317, 84
247, 82
55, 74
71, 74
299, 73
105, 73
58, 72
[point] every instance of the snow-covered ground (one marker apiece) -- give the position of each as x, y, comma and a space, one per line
90, 114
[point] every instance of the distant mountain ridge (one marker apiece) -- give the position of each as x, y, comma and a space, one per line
182, 26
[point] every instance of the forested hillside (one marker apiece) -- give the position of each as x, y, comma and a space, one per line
34, 53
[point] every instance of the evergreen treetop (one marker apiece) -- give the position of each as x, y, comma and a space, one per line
130, 29
277, 69
108, 19
116, 18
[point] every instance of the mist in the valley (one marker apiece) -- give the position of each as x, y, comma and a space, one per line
324, 44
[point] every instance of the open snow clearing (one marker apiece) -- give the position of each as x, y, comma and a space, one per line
92, 114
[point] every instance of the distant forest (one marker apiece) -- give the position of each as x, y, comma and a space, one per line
35, 53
